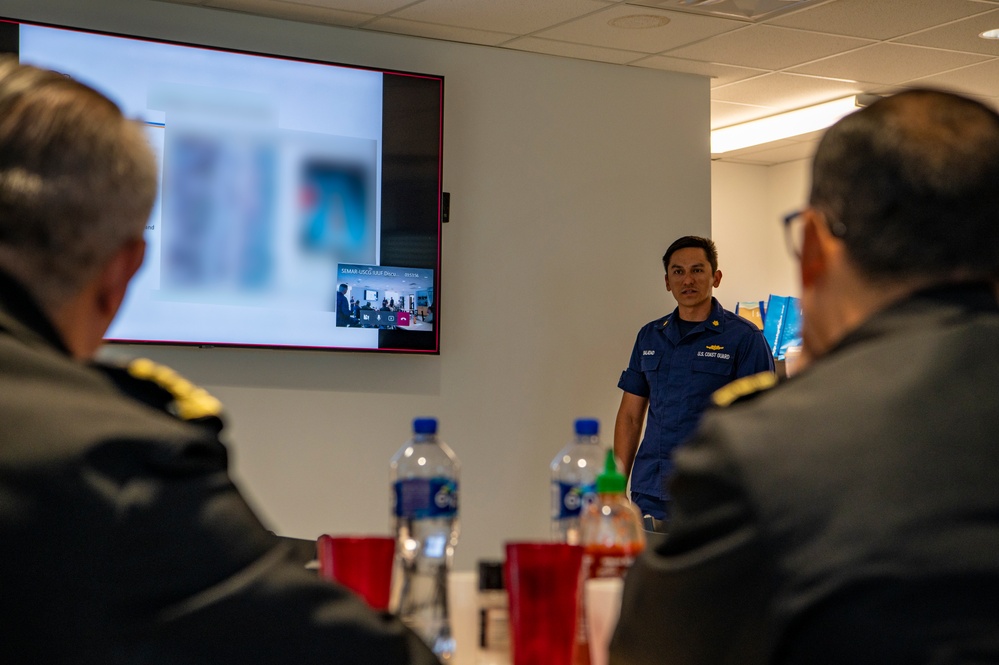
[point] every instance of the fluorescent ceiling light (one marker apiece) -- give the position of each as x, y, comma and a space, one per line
781, 126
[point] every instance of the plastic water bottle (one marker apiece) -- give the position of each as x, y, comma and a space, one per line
574, 475
424, 476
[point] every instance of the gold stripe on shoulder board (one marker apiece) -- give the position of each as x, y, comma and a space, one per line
190, 401
740, 388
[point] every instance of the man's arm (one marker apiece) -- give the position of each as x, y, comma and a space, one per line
754, 356
699, 596
628, 428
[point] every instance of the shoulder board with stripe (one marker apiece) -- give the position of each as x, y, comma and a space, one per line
743, 388
189, 401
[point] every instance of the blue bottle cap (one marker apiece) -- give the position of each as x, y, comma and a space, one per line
587, 427
425, 426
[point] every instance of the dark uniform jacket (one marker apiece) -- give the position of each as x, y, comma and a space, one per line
848, 516
123, 538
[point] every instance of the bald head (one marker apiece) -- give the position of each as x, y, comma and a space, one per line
914, 180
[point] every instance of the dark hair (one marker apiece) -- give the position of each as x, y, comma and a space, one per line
914, 179
77, 180
706, 244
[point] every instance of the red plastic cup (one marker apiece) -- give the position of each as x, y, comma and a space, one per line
542, 582
363, 564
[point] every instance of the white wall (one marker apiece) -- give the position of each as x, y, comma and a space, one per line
568, 180
747, 203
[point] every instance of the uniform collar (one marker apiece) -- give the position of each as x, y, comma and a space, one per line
951, 302
23, 317
714, 323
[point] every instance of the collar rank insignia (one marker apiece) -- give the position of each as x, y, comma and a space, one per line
715, 322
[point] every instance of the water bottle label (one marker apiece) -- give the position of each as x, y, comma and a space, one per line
572, 498
419, 498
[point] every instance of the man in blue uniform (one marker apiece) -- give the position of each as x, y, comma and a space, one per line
677, 362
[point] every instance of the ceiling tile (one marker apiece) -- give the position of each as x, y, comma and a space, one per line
724, 114
595, 29
512, 16
767, 47
434, 31
772, 153
568, 50
293, 11
961, 35
363, 6
810, 137
779, 143
744, 10
979, 80
788, 91
878, 19
888, 64
739, 160
720, 74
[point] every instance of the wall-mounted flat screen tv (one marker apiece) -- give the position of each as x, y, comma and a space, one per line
291, 190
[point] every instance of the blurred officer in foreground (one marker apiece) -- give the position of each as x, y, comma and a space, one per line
851, 514
123, 538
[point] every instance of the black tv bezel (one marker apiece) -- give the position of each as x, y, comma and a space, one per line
389, 341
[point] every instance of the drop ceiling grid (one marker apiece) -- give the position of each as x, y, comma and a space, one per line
437, 31
877, 19
798, 57
520, 17
293, 11
681, 29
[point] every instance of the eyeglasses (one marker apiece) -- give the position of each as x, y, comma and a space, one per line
794, 230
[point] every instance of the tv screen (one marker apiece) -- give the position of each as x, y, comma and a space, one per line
293, 193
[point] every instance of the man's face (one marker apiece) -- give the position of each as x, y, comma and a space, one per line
689, 277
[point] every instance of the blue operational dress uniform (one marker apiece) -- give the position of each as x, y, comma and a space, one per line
678, 373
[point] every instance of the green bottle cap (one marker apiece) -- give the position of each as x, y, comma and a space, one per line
611, 481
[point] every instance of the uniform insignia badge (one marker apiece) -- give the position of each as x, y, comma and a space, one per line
714, 347
715, 322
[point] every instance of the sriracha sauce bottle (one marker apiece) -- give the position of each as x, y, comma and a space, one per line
611, 535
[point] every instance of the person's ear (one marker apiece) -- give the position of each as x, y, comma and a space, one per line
814, 253
717, 280
666, 277
117, 273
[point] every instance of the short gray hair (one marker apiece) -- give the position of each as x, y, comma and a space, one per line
77, 180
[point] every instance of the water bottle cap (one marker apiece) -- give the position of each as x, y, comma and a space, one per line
425, 426
587, 427
611, 481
